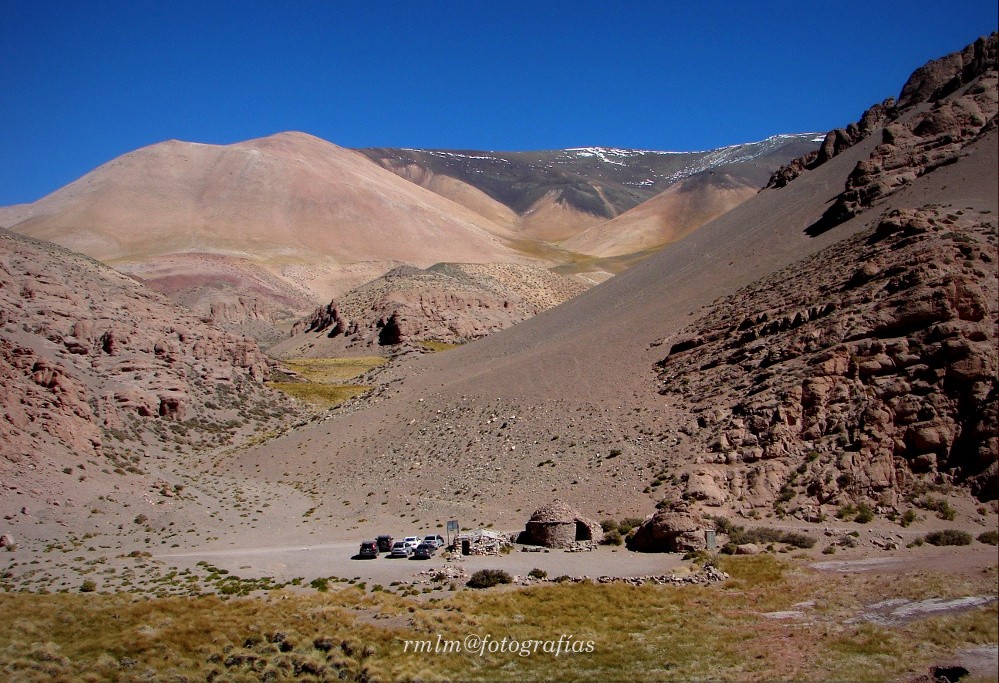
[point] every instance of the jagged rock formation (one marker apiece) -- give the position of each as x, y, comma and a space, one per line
447, 302
852, 374
961, 90
671, 530
93, 365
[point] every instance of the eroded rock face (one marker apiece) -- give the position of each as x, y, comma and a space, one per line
961, 88
447, 302
670, 531
915, 146
854, 374
90, 360
941, 77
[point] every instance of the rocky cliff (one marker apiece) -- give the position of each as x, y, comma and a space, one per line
98, 370
447, 302
868, 372
855, 374
942, 107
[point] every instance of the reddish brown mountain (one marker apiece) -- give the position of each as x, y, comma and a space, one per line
667, 217
271, 226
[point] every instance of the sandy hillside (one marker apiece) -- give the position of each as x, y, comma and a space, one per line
292, 206
568, 402
667, 217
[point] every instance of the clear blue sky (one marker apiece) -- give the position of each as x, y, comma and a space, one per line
83, 82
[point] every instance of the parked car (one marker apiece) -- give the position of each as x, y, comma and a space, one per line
385, 543
369, 549
424, 551
435, 541
412, 541
401, 549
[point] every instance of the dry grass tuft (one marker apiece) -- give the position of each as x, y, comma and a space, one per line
644, 633
324, 395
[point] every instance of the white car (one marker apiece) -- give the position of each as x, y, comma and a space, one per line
436, 541
412, 541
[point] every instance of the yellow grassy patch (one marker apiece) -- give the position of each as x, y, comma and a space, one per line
653, 633
333, 370
437, 345
320, 394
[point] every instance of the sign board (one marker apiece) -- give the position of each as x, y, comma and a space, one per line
452, 526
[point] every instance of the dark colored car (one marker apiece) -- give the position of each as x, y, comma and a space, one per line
368, 549
385, 543
424, 551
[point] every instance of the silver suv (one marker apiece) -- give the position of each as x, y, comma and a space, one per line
435, 541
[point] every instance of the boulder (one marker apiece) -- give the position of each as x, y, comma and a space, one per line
670, 531
703, 487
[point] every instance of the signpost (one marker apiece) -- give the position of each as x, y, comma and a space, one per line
452, 527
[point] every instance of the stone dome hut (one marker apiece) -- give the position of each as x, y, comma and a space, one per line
556, 525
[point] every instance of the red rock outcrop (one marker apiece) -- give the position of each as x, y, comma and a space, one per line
857, 373
447, 302
90, 359
913, 141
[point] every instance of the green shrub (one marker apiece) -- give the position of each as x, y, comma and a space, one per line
321, 584
485, 578
908, 518
864, 514
88, 586
846, 511
723, 525
989, 537
608, 525
629, 523
939, 506
948, 537
612, 537
798, 540
538, 573
762, 535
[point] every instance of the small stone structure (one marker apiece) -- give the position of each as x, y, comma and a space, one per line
481, 542
557, 525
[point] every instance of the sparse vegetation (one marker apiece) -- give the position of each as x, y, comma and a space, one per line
864, 515
739, 535
612, 537
989, 537
486, 578
702, 632
948, 537
435, 346
940, 506
320, 394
